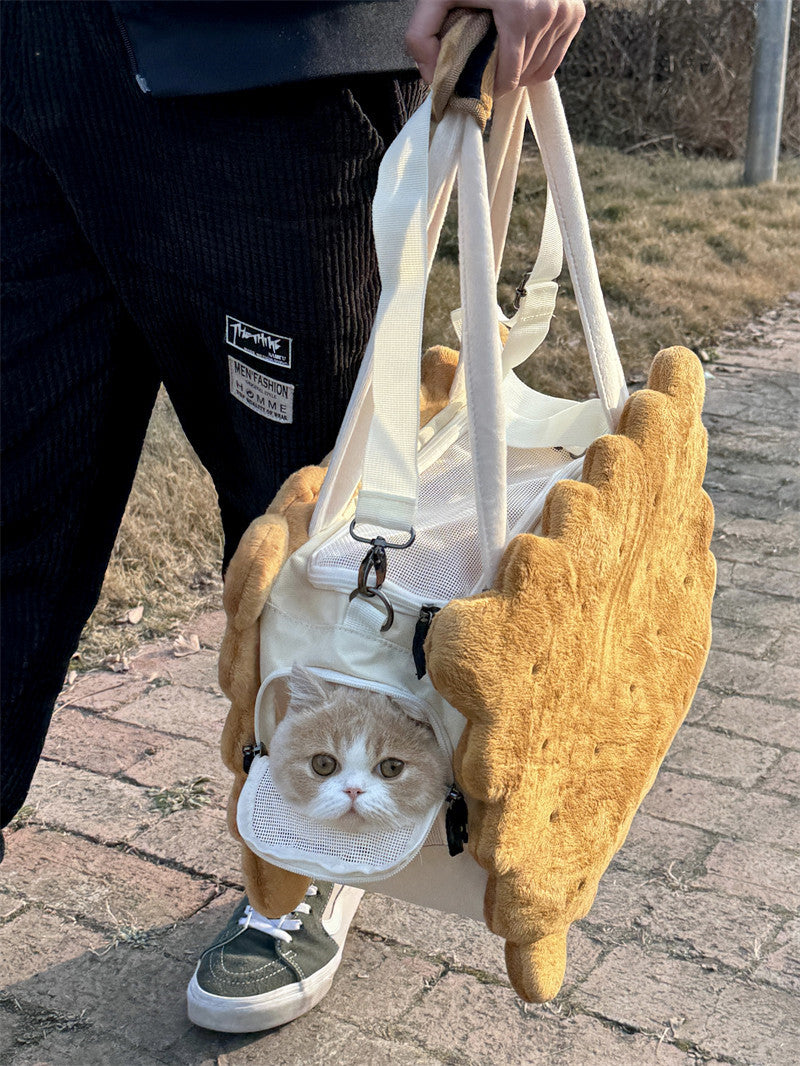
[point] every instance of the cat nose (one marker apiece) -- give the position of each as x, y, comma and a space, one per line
353, 792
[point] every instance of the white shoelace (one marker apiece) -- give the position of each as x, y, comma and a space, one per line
281, 927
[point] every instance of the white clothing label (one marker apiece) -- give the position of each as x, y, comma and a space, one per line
260, 343
266, 396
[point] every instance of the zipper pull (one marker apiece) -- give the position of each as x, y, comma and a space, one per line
427, 611
249, 753
455, 820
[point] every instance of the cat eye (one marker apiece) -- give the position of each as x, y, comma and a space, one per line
324, 765
390, 767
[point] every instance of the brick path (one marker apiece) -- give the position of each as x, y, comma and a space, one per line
691, 952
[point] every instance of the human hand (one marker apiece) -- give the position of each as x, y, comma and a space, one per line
532, 36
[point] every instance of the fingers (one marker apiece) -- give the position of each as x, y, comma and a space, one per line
545, 62
422, 41
510, 64
521, 29
532, 36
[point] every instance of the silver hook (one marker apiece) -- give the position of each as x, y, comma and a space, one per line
521, 291
412, 536
369, 593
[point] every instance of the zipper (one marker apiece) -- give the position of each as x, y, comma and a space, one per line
455, 820
249, 753
426, 613
141, 81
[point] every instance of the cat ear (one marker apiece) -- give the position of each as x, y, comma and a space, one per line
306, 687
410, 710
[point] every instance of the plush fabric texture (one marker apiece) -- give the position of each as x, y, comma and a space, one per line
262, 551
437, 372
575, 671
464, 76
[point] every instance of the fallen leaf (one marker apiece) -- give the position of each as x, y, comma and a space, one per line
132, 617
117, 664
186, 645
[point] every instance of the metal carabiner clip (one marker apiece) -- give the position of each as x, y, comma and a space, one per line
412, 536
369, 593
373, 561
521, 291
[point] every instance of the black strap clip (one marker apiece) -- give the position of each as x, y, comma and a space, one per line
249, 753
426, 613
521, 291
455, 820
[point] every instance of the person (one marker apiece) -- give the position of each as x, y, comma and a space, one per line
187, 191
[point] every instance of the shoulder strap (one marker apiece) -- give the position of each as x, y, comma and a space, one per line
378, 441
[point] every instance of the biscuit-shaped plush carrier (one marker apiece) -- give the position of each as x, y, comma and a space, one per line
573, 672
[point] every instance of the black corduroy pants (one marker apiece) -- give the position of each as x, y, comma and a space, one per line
221, 245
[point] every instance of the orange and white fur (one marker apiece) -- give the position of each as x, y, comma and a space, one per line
354, 758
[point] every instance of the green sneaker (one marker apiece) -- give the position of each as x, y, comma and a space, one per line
262, 972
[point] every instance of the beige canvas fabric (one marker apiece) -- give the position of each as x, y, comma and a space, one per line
461, 33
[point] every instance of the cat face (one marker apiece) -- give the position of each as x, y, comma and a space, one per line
354, 758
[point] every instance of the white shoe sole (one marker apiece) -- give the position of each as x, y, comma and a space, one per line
253, 1014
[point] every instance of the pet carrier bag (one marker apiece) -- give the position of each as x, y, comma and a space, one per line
430, 519
405, 564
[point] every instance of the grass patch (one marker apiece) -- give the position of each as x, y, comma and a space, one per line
184, 796
684, 251
23, 817
124, 933
168, 553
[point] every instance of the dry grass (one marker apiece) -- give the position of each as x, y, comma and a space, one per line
684, 251
168, 553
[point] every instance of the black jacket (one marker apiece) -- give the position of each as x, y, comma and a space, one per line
213, 46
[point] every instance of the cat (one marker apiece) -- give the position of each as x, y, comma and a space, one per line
355, 758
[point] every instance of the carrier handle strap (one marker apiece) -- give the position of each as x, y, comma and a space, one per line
346, 462
347, 458
558, 159
390, 479
482, 351
539, 289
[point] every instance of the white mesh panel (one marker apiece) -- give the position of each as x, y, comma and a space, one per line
430, 570
285, 834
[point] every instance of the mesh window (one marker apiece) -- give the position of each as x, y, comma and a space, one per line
446, 515
284, 831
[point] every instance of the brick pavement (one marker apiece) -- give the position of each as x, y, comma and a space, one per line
691, 952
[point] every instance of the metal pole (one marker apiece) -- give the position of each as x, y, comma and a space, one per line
773, 19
